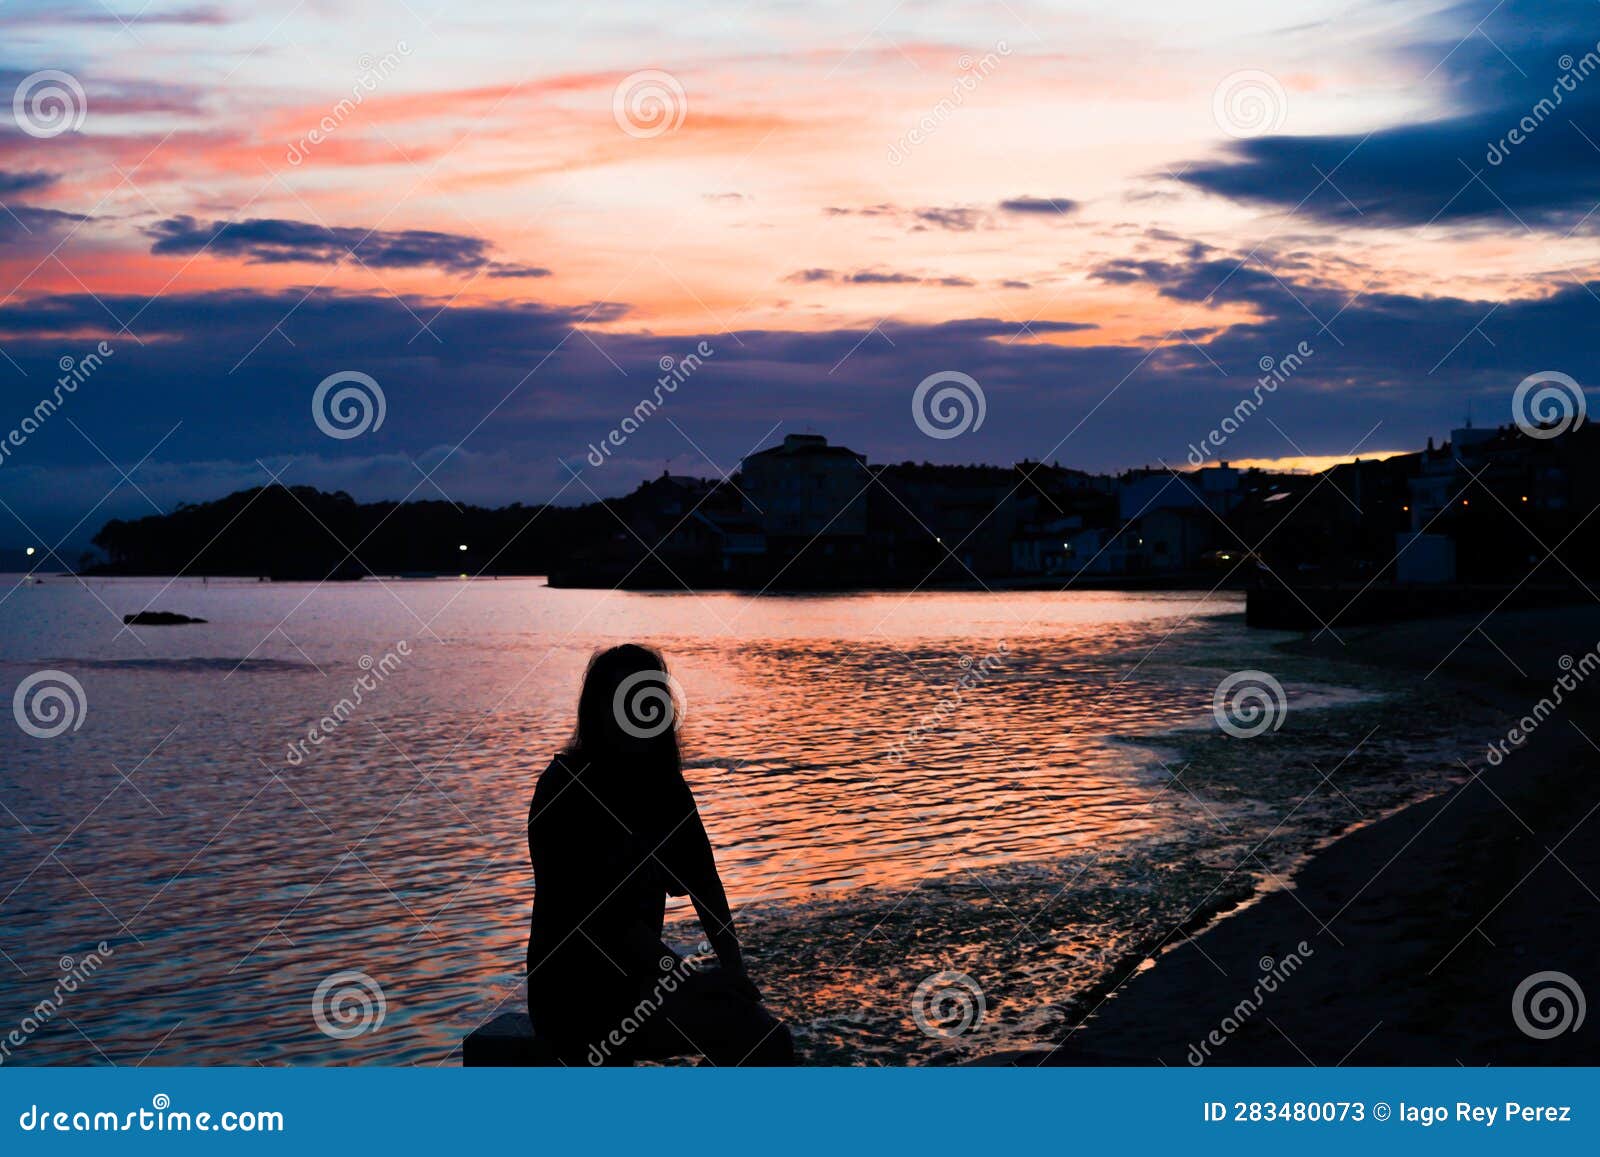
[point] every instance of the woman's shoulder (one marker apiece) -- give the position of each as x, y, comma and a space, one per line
564, 767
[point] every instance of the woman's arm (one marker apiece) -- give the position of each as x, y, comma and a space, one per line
694, 865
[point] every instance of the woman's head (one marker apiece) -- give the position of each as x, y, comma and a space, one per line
629, 705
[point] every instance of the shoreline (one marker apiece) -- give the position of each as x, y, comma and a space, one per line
1046, 938
1408, 933
1176, 582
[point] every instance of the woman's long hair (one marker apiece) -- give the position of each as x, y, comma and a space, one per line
628, 716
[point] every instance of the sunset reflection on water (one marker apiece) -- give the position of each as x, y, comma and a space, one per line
230, 880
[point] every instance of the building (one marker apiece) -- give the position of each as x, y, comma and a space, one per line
808, 500
806, 488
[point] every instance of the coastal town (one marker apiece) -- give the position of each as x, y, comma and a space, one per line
1483, 507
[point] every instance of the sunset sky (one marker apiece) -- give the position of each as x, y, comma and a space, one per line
1110, 216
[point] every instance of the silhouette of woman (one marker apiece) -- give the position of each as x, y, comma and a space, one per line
613, 830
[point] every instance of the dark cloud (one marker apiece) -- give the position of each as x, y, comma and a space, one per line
882, 210
526, 393
509, 269
1123, 271
875, 277
12, 183
24, 225
107, 97
277, 241
1419, 175
1054, 205
1516, 147
988, 327
880, 277
956, 219
1249, 280
953, 218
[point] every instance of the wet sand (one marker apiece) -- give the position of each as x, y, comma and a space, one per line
1404, 940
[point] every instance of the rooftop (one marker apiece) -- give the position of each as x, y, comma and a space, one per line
805, 445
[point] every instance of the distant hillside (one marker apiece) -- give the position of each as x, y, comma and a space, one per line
303, 533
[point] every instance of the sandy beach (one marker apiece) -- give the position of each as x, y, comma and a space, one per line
1404, 940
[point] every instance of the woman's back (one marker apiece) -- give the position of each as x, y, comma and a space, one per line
596, 892
612, 829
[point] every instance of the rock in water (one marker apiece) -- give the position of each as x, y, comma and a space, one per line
157, 619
